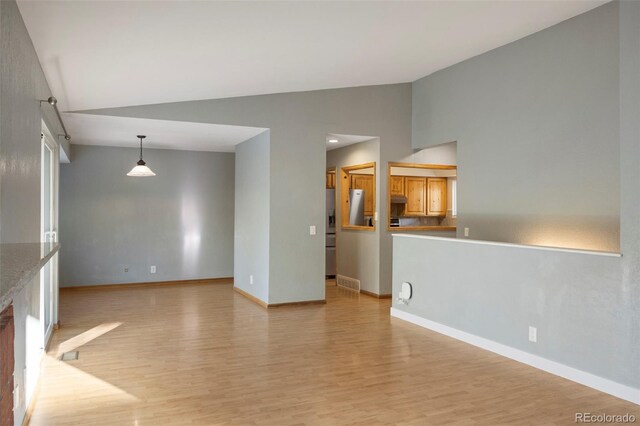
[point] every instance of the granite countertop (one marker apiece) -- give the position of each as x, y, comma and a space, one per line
19, 263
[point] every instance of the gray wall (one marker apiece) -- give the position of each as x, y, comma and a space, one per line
536, 123
440, 154
586, 307
299, 123
251, 248
181, 220
358, 252
22, 85
358, 255
496, 292
630, 174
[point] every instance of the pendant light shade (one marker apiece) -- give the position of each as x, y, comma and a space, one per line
141, 169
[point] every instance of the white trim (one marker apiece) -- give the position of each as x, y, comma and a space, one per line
524, 246
616, 389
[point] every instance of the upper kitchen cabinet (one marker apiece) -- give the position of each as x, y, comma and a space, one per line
331, 179
364, 182
396, 185
416, 196
358, 196
436, 196
422, 196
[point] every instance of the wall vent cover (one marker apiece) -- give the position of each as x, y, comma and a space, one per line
347, 282
69, 356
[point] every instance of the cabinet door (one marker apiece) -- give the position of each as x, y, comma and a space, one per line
6, 366
416, 196
437, 197
396, 183
364, 182
331, 180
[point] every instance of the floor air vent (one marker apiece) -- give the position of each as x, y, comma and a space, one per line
69, 356
346, 282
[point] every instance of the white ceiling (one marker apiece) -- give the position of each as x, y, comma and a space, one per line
345, 140
118, 53
161, 134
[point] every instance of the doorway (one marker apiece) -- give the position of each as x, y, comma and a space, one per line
330, 225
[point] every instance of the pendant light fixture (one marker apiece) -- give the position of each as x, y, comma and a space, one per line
141, 170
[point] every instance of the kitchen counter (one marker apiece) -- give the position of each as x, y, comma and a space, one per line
19, 263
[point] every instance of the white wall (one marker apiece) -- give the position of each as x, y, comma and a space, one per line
28, 345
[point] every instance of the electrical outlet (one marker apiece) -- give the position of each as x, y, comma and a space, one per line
466, 232
152, 269
251, 279
312, 230
126, 269
533, 334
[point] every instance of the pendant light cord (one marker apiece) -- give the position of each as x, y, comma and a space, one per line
140, 148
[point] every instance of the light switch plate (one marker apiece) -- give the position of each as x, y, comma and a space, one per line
533, 334
153, 269
466, 232
312, 230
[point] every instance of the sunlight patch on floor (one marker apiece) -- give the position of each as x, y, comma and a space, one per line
76, 386
84, 338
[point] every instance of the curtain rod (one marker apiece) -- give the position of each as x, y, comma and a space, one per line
54, 103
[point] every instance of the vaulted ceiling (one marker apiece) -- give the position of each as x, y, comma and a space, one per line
98, 54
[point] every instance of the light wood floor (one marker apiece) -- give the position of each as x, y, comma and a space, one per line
204, 355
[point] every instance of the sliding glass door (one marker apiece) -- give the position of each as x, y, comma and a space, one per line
48, 281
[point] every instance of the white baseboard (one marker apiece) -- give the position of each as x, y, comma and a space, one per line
619, 390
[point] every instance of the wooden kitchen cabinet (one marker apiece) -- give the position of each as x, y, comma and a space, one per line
421, 194
425, 196
6, 366
331, 180
396, 184
436, 197
364, 182
416, 193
